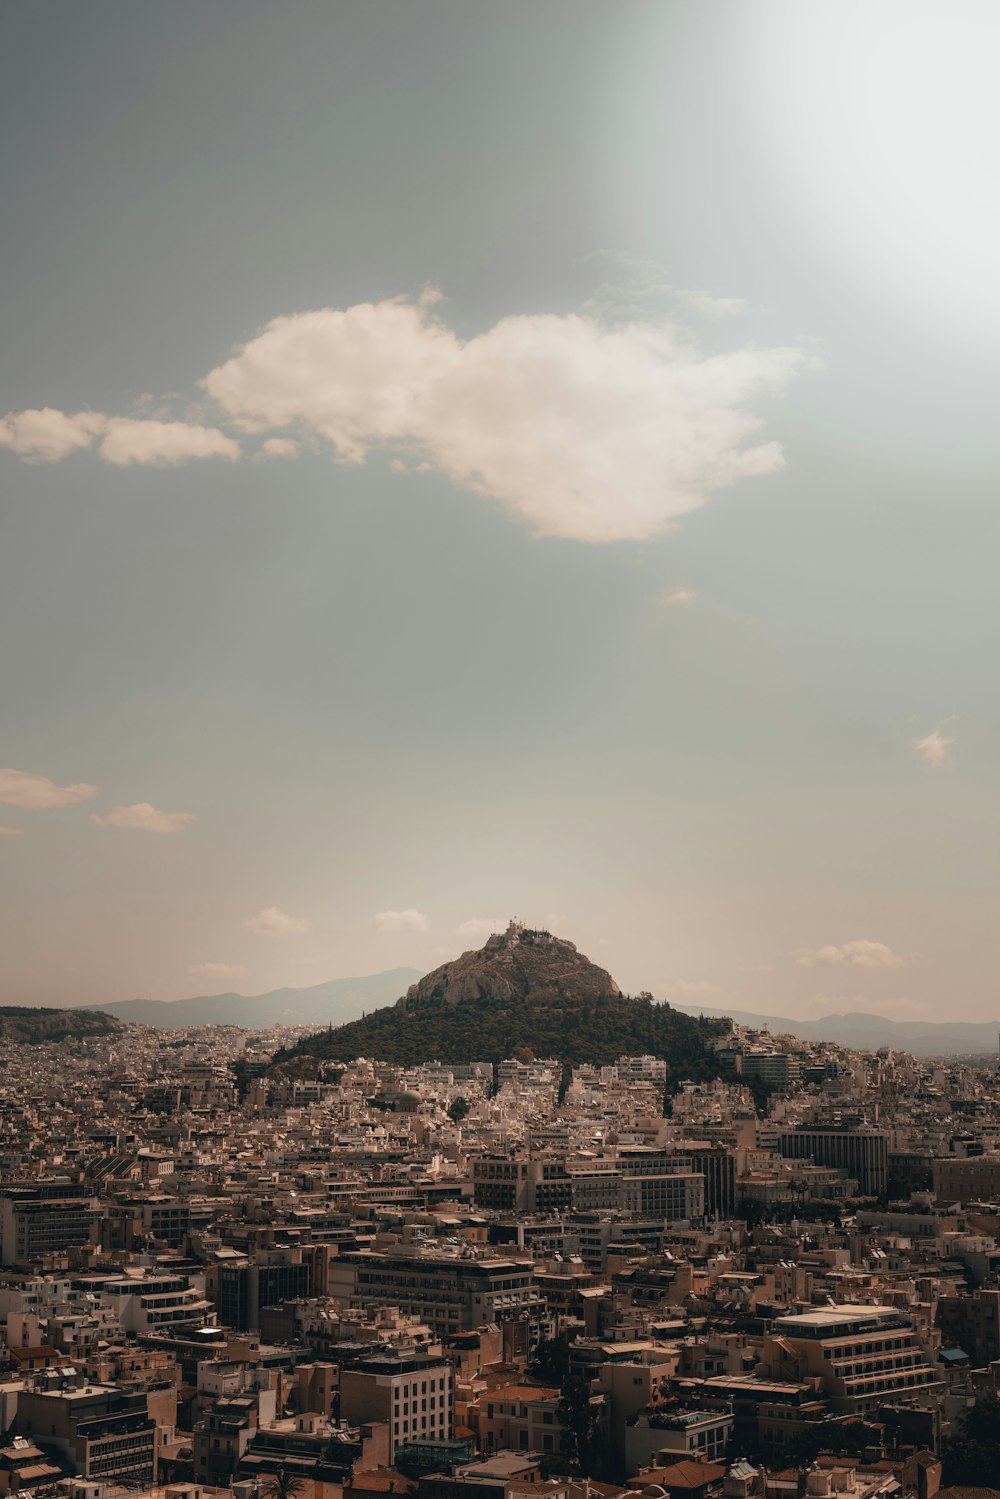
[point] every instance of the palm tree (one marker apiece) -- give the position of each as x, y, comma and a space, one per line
283, 1485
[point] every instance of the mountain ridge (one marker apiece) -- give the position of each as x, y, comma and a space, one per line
335, 1000
859, 1030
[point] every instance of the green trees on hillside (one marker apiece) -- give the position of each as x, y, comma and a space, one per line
484, 1029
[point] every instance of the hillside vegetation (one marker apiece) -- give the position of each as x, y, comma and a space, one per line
21, 1025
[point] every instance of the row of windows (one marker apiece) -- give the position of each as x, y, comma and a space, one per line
411, 1389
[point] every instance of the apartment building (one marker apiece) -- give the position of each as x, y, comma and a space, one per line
449, 1293
413, 1393
106, 1434
862, 1356
41, 1217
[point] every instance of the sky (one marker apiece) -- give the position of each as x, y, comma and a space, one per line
465, 462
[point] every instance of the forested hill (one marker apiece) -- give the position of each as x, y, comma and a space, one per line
22, 1024
523, 989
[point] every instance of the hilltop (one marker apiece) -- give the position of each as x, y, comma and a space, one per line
521, 989
22, 1025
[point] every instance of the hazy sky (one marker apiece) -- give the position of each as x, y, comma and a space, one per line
469, 460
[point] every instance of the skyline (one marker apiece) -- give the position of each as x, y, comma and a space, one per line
459, 468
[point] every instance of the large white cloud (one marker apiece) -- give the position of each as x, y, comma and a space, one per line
142, 817
586, 431
24, 788
48, 435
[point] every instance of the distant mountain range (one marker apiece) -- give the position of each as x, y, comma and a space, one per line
863, 1032
332, 1003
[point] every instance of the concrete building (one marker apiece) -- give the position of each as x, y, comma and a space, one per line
38, 1218
105, 1434
449, 1293
862, 1356
414, 1394
862, 1154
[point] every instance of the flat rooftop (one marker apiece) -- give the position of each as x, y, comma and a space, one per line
833, 1316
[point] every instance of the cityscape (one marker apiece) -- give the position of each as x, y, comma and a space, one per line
499, 749
260, 1262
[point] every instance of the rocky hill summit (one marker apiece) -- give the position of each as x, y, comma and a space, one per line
514, 965
523, 990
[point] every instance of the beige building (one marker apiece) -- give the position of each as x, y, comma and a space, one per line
860, 1355
414, 1394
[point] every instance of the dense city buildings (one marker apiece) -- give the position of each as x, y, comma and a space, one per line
221, 1271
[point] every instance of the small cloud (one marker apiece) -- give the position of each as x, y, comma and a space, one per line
278, 447
679, 598
480, 926
933, 748
402, 921
142, 817
22, 788
273, 922
638, 288
47, 435
11, 832
858, 954
221, 971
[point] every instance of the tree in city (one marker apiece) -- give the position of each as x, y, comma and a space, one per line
582, 1427
283, 1485
972, 1453
550, 1364
457, 1109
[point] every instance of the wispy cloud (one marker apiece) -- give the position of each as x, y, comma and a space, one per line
48, 436
221, 972
934, 747
278, 447
274, 922
11, 832
402, 921
679, 598
635, 288
143, 817
860, 953
22, 788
